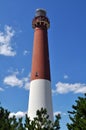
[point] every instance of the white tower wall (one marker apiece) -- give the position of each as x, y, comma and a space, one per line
40, 96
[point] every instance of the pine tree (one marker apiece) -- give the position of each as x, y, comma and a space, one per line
42, 122
7, 123
78, 115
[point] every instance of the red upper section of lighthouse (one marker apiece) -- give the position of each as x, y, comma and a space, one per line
40, 19
40, 59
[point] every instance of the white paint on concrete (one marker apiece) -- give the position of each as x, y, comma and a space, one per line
40, 96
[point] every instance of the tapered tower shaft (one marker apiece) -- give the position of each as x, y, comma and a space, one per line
40, 85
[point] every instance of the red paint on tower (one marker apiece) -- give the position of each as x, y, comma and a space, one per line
40, 59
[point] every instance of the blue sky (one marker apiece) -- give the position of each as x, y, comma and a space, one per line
67, 48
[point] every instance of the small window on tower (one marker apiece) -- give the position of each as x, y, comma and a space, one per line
36, 74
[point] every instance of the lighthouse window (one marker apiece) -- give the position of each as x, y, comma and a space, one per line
38, 23
36, 74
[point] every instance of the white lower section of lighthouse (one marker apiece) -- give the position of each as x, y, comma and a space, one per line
40, 97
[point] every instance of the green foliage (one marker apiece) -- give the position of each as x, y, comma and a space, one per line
4, 122
78, 115
56, 123
40, 122
7, 123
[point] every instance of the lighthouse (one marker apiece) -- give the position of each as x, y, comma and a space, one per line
40, 83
